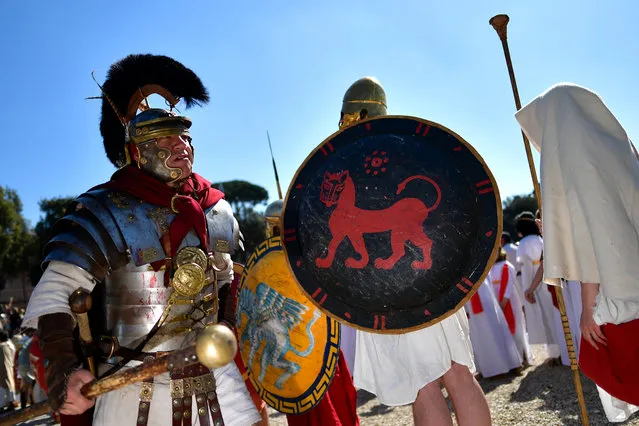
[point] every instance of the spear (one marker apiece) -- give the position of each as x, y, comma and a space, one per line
277, 179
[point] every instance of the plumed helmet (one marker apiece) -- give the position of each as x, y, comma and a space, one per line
128, 84
365, 98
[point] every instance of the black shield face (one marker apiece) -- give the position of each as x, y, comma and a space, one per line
390, 225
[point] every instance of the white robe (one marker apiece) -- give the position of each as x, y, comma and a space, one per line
493, 345
521, 335
511, 254
347, 345
539, 315
394, 367
590, 198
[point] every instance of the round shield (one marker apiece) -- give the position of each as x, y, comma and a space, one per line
289, 347
390, 225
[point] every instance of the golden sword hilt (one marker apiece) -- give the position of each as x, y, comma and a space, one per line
80, 302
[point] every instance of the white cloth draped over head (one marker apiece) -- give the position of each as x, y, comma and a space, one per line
590, 190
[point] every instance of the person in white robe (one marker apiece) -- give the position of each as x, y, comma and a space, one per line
590, 194
509, 247
510, 302
539, 315
493, 345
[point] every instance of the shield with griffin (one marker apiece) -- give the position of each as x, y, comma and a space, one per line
390, 225
289, 347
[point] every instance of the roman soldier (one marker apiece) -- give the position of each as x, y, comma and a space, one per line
153, 246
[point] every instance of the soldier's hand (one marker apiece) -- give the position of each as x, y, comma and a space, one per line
75, 403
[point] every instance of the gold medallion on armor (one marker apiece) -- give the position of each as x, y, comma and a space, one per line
188, 279
191, 255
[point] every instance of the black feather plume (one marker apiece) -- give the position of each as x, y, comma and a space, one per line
124, 79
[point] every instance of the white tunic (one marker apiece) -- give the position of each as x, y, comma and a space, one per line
539, 315
494, 347
395, 367
120, 407
347, 344
521, 335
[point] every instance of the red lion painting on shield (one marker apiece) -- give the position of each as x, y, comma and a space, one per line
404, 220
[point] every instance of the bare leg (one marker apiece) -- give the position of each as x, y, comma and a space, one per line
430, 407
471, 407
264, 416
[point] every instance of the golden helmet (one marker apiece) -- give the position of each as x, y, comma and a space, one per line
364, 99
273, 214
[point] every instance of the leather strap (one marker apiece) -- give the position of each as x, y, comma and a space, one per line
55, 335
146, 394
177, 395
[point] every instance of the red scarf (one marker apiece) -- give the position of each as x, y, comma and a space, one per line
508, 309
190, 199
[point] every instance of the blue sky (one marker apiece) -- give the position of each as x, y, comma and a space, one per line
283, 66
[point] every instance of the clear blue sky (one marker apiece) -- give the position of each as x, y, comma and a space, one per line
284, 66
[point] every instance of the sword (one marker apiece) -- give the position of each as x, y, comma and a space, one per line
81, 302
215, 347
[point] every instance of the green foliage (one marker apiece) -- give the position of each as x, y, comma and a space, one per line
14, 235
244, 197
512, 206
53, 209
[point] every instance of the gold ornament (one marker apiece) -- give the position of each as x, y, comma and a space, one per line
188, 279
191, 255
216, 346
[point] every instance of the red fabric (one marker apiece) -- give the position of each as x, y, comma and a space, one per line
508, 309
475, 304
194, 195
338, 407
553, 295
614, 367
37, 363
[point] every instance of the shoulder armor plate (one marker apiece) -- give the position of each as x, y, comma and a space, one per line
223, 228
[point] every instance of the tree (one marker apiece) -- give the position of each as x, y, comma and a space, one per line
515, 205
53, 209
243, 197
14, 235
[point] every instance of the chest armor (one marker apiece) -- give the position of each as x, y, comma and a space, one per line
116, 237
136, 297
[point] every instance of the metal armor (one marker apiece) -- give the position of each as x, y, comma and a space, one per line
364, 99
115, 237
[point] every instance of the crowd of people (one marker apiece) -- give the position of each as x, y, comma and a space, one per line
20, 385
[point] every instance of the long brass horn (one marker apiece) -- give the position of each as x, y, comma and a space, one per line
500, 23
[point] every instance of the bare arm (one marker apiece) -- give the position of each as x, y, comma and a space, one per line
590, 331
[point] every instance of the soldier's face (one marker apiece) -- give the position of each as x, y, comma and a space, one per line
181, 153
